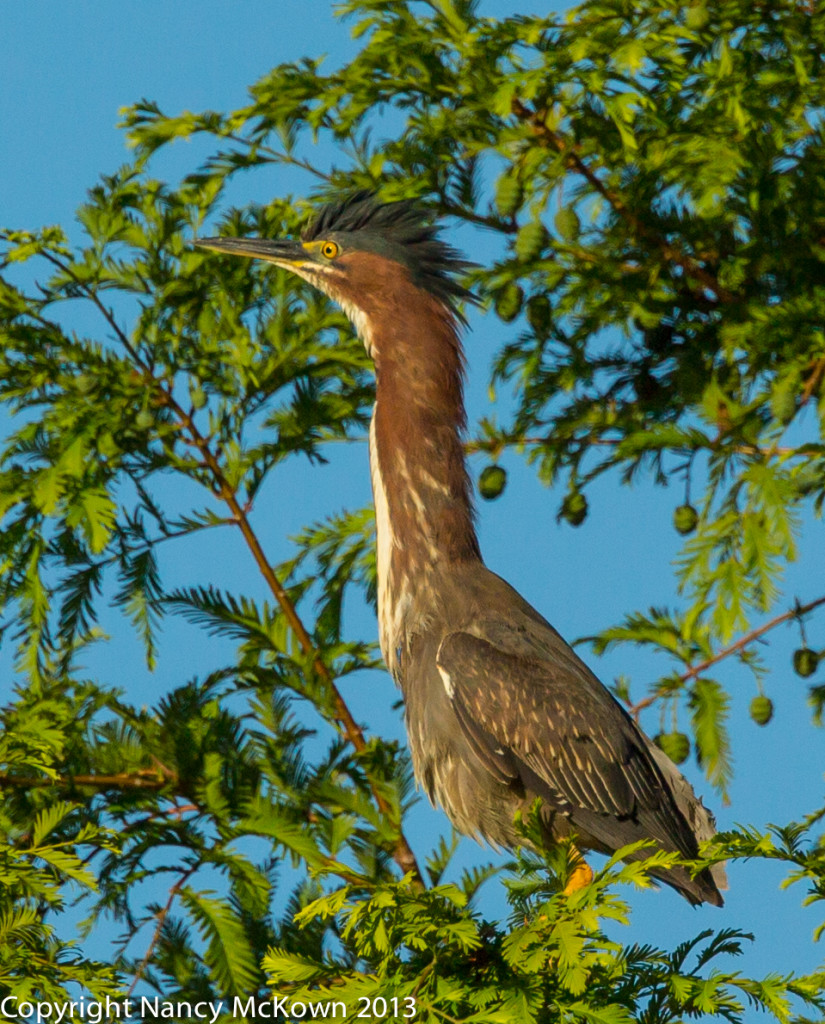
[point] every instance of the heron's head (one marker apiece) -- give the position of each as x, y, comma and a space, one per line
366, 256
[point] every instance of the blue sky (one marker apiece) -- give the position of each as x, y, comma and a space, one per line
65, 70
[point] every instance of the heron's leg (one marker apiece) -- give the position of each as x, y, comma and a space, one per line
580, 876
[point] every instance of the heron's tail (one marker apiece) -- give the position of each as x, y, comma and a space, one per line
702, 823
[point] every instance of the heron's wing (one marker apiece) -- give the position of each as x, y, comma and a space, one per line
526, 713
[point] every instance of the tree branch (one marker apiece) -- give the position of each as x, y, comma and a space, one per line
160, 917
403, 854
277, 155
674, 255
119, 780
739, 645
813, 381
485, 444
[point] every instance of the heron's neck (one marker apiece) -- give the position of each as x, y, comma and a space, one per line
424, 514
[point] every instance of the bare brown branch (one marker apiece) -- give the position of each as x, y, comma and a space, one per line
160, 917
813, 381
739, 645
119, 780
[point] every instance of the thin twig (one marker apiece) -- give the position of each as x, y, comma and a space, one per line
404, 856
813, 381
671, 253
479, 444
177, 811
750, 637
509, 227
744, 641
294, 161
161, 916
119, 780
475, 445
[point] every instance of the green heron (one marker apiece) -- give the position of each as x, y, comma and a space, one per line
499, 709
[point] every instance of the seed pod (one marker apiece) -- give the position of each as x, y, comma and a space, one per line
567, 224
531, 240
144, 419
574, 508
675, 744
783, 403
761, 709
198, 397
805, 662
539, 314
491, 482
685, 518
508, 302
697, 16
509, 194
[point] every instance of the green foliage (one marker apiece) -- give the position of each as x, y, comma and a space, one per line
555, 963
653, 176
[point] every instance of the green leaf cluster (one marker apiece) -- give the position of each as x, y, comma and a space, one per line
652, 176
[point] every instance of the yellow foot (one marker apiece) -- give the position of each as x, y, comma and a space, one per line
580, 876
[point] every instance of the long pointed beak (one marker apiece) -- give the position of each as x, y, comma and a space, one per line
283, 253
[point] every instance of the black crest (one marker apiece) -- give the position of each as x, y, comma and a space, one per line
400, 231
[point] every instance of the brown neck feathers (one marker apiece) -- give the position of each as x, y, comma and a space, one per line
423, 511
417, 432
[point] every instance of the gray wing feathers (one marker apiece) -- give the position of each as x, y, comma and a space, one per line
530, 719
699, 818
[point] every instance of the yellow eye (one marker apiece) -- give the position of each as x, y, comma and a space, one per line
329, 250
